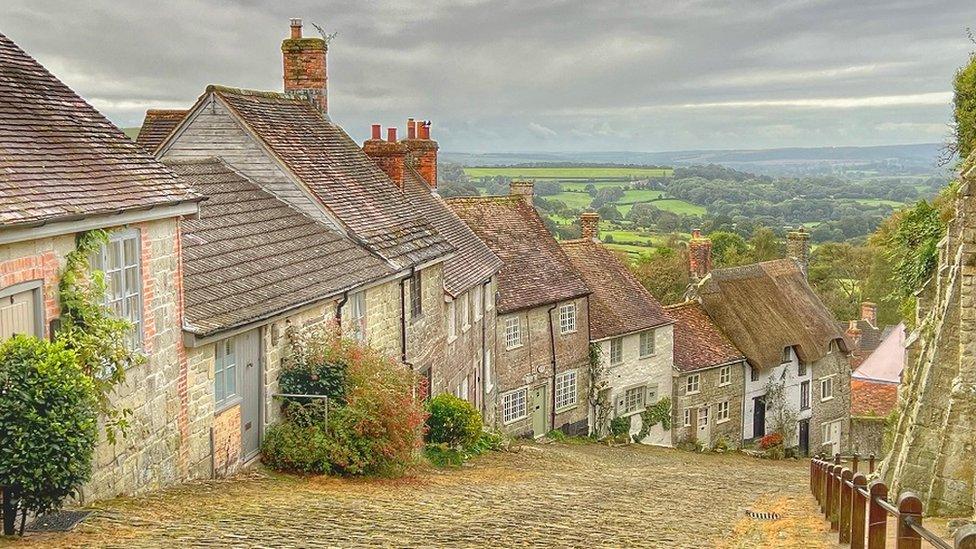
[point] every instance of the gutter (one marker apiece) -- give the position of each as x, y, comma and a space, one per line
552, 352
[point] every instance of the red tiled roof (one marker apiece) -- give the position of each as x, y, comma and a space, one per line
535, 270
871, 398
157, 126
250, 256
473, 262
61, 159
619, 304
339, 174
698, 342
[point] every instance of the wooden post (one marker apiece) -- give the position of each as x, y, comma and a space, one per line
858, 503
837, 458
877, 516
813, 474
854, 463
966, 537
845, 506
835, 503
829, 485
909, 506
871, 463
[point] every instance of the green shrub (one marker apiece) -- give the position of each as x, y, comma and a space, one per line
452, 421
315, 364
442, 455
289, 446
619, 426
48, 422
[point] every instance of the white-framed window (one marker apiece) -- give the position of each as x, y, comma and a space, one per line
225, 373
632, 400
567, 318
722, 412
646, 343
831, 434
827, 388
801, 369
465, 313
703, 416
693, 384
805, 395
616, 351
451, 320
490, 297
787, 354
566, 390
753, 374
687, 417
486, 364
478, 298
119, 259
725, 376
515, 405
357, 315
461, 391
513, 332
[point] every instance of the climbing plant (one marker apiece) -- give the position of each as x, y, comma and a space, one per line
659, 412
98, 337
598, 397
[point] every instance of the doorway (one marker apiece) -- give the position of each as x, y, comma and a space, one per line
804, 426
247, 347
539, 411
759, 417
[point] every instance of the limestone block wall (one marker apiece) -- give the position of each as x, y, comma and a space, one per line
710, 395
427, 333
867, 435
464, 357
838, 365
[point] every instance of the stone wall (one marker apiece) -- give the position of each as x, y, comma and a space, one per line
838, 365
464, 357
867, 436
711, 394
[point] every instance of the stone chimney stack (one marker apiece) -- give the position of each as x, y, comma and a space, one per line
422, 150
699, 255
390, 155
798, 248
869, 312
854, 334
525, 189
590, 226
304, 66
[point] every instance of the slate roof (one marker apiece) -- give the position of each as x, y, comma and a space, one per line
765, 307
338, 173
872, 398
619, 304
157, 126
698, 343
535, 270
250, 256
871, 336
60, 159
473, 262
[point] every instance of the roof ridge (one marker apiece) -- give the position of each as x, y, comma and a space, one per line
218, 88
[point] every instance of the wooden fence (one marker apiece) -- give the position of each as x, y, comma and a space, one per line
858, 510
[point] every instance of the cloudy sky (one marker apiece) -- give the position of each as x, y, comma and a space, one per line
538, 75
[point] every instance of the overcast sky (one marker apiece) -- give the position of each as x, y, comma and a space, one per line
538, 75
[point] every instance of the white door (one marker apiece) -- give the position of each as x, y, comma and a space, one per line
704, 427
18, 314
831, 437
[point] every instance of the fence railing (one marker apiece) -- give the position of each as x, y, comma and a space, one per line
858, 510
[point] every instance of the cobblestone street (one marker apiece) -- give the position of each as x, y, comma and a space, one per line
552, 495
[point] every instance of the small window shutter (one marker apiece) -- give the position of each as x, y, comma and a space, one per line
651, 395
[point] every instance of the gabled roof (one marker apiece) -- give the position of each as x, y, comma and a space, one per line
157, 126
765, 307
60, 159
535, 270
887, 361
619, 304
250, 256
333, 169
872, 398
698, 342
473, 262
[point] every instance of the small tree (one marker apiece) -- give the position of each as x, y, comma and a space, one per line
48, 423
781, 415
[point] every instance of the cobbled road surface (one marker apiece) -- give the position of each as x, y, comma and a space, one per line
563, 495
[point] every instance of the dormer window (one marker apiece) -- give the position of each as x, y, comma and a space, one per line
787, 355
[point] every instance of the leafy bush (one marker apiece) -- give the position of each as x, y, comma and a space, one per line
315, 364
48, 422
443, 455
619, 426
452, 421
291, 446
770, 440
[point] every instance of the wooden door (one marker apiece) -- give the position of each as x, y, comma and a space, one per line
805, 437
18, 314
248, 351
539, 411
759, 417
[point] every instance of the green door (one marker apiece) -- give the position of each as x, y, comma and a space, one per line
539, 411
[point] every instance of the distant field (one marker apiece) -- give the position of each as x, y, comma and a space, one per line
668, 205
580, 173
633, 251
639, 195
573, 200
879, 202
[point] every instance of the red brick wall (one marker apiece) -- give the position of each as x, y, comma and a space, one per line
305, 70
227, 441
44, 267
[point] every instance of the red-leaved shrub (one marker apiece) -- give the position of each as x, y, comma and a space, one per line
770, 440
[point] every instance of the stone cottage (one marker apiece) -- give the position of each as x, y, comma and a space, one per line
65, 170
793, 347
874, 392
542, 340
632, 332
709, 380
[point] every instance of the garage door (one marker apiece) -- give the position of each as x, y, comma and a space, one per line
19, 314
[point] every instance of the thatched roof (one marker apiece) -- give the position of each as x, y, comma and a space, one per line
765, 307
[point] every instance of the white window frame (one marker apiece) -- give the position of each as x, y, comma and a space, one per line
632, 400
513, 332
827, 388
465, 313
567, 390
478, 297
725, 376
693, 384
753, 374
617, 357
801, 369
567, 318
511, 398
687, 417
452, 332
357, 315
121, 303
490, 297
805, 392
486, 364
223, 398
787, 355
722, 412
646, 339
703, 416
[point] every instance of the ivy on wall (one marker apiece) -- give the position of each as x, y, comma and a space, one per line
660, 412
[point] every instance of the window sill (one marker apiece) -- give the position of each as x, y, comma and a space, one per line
465, 328
632, 413
567, 408
828, 399
567, 332
452, 339
221, 408
513, 420
726, 384
721, 421
689, 393
512, 348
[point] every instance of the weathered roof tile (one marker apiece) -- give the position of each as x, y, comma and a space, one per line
698, 342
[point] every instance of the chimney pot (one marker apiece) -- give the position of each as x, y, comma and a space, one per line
304, 71
421, 150
699, 255
376, 131
391, 135
296, 28
696, 233
869, 312
411, 129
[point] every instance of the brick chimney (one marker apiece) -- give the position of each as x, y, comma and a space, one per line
590, 226
798, 248
854, 334
869, 312
525, 189
699, 255
389, 155
422, 150
304, 66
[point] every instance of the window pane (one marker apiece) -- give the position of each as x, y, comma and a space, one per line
130, 255
114, 255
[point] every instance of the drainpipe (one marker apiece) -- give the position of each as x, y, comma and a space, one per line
338, 311
403, 319
552, 353
484, 342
